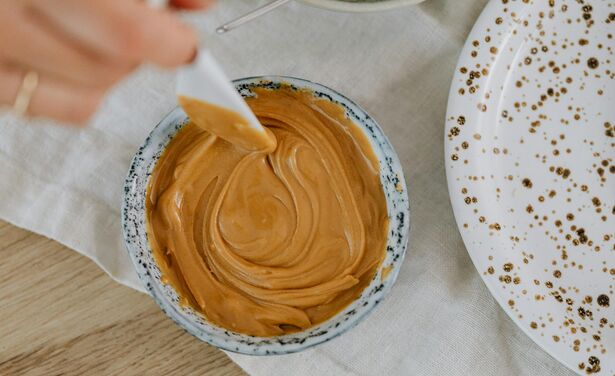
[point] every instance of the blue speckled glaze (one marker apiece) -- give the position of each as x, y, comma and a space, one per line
133, 224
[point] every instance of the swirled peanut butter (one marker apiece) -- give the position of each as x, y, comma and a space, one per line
270, 242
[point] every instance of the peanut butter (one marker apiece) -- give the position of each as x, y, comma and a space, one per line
270, 242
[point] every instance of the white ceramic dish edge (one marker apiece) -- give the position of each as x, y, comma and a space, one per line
342, 6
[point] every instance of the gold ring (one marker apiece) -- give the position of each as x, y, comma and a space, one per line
24, 95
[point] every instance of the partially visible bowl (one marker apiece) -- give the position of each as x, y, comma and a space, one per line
361, 5
135, 235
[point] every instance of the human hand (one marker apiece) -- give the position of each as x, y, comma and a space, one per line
81, 48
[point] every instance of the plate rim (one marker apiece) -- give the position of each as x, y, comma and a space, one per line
344, 6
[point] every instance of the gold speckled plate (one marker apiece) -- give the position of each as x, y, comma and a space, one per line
530, 160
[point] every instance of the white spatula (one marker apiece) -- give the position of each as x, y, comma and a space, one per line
211, 101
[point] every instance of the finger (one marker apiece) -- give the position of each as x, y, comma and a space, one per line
53, 99
192, 4
26, 42
123, 29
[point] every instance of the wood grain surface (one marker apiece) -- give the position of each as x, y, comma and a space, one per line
61, 315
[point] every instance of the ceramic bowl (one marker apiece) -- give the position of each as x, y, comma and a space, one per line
135, 236
361, 5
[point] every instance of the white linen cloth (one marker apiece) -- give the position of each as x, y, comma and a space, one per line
439, 319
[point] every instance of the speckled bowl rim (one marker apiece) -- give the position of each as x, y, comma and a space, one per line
343, 6
133, 225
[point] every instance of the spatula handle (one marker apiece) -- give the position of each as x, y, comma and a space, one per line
250, 16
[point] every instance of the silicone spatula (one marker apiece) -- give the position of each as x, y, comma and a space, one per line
212, 102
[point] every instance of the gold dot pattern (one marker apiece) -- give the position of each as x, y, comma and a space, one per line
530, 153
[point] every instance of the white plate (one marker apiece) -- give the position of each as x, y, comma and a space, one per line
530, 160
361, 6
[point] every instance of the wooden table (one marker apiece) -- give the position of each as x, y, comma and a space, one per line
61, 315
